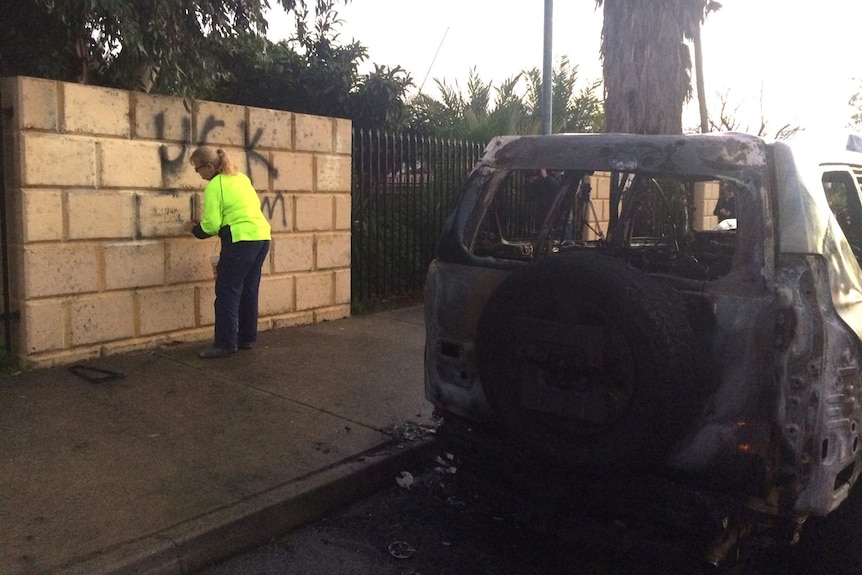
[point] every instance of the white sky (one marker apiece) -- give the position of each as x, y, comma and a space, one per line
801, 58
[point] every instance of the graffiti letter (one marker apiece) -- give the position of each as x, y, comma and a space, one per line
251, 154
268, 208
209, 125
175, 165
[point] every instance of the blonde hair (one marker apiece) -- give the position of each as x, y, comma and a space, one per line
219, 159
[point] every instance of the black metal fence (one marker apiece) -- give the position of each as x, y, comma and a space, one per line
403, 188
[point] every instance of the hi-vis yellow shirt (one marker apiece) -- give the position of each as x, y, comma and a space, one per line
232, 201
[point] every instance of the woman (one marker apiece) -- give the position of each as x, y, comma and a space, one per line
232, 210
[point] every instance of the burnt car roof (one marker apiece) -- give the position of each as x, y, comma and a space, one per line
713, 154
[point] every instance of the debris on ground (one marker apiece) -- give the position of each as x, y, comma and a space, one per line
405, 479
445, 464
401, 550
411, 430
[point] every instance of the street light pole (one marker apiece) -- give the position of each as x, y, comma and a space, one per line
547, 69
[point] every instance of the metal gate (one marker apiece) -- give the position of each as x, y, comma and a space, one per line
404, 187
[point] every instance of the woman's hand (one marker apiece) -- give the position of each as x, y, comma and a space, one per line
189, 226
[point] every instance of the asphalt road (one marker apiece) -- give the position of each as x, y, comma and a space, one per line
445, 518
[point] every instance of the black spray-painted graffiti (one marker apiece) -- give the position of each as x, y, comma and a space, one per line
173, 166
268, 208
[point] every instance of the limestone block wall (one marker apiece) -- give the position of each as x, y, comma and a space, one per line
98, 185
600, 183
705, 198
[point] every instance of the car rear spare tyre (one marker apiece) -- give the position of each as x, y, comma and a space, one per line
588, 360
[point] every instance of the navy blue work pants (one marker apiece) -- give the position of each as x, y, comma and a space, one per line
236, 287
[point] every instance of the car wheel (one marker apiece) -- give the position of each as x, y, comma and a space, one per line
588, 360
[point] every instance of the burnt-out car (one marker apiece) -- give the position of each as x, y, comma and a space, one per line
587, 302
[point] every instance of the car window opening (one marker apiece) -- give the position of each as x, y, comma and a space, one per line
658, 223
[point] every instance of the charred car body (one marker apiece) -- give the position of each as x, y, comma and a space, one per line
634, 336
